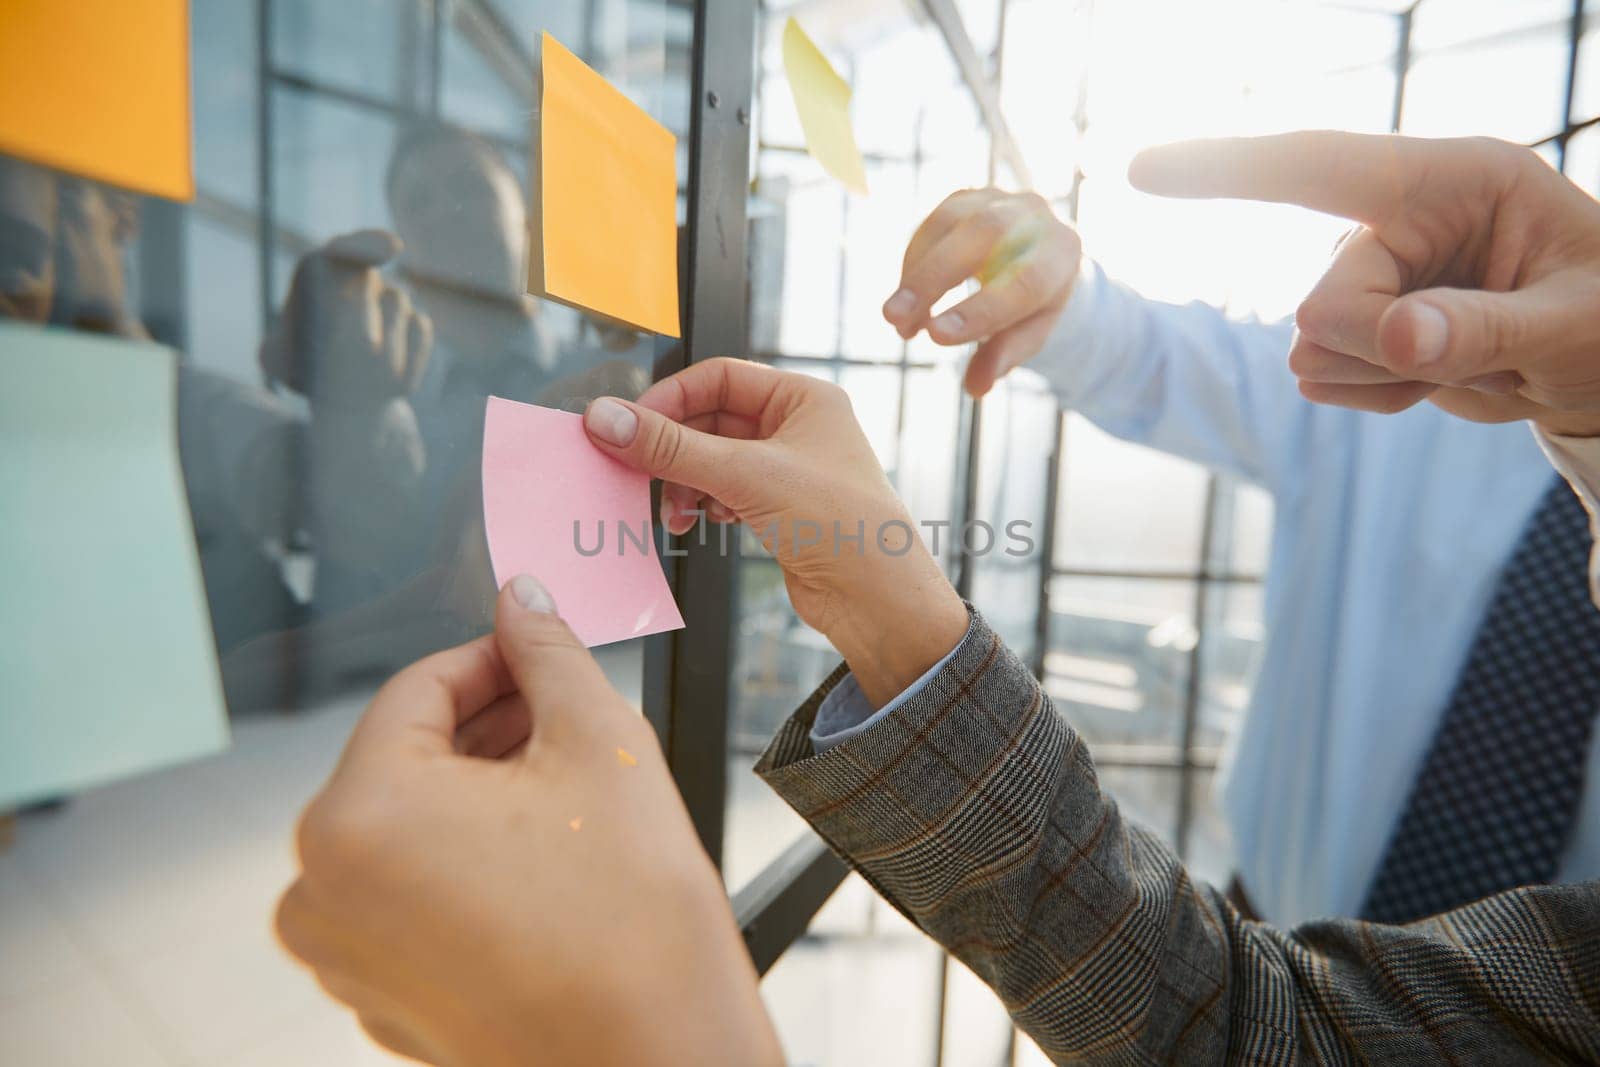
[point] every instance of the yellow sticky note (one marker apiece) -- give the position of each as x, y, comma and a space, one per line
626, 758
823, 100
99, 88
605, 227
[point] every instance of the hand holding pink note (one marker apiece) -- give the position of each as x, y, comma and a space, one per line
550, 500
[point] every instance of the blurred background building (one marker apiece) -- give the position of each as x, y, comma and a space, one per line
135, 919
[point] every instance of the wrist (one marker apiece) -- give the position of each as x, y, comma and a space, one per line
896, 625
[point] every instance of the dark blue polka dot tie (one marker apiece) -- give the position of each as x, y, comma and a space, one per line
1494, 804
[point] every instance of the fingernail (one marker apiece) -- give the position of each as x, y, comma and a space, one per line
531, 594
1430, 331
612, 422
949, 322
900, 304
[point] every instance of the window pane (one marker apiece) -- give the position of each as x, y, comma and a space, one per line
828, 996
459, 205
1583, 159
329, 165
354, 44
1146, 796
224, 58
1586, 91
224, 331
1453, 44
1211, 857
1230, 652
925, 474
779, 660
1046, 60
476, 94
1119, 656
1019, 426
1242, 531
976, 1026
876, 234
812, 231
1123, 506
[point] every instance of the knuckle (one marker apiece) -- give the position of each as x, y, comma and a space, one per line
543, 632
1030, 283
335, 832
1302, 361
990, 224
833, 394
287, 920
1318, 315
665, 447
1393, 401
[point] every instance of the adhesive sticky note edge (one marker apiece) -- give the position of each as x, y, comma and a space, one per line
604, 219
100, 88
822, 99
556, 507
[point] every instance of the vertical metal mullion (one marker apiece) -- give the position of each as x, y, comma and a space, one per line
699, 658
440, 16
1574, 38
1402, 64
967, 573
1193, 691
1047, 540
295, 650
266, 221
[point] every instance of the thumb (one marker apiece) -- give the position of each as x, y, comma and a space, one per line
567, 694
1452, 336
649, 441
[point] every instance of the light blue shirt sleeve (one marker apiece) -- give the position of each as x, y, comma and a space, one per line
1184, 379
846, 712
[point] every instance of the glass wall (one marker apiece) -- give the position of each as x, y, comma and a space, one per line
343, 293
372, 158
347, 288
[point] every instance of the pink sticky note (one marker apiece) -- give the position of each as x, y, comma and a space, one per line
556, 507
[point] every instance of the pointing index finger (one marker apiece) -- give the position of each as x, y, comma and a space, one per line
1357, 176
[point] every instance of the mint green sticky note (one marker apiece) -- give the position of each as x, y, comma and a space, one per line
107, 665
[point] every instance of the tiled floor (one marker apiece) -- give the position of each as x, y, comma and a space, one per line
135, 931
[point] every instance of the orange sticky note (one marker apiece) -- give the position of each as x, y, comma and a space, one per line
605, 226
99, 88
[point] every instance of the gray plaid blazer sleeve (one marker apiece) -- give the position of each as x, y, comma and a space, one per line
974, 809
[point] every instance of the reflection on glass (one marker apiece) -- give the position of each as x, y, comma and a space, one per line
353, 45
330, 445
